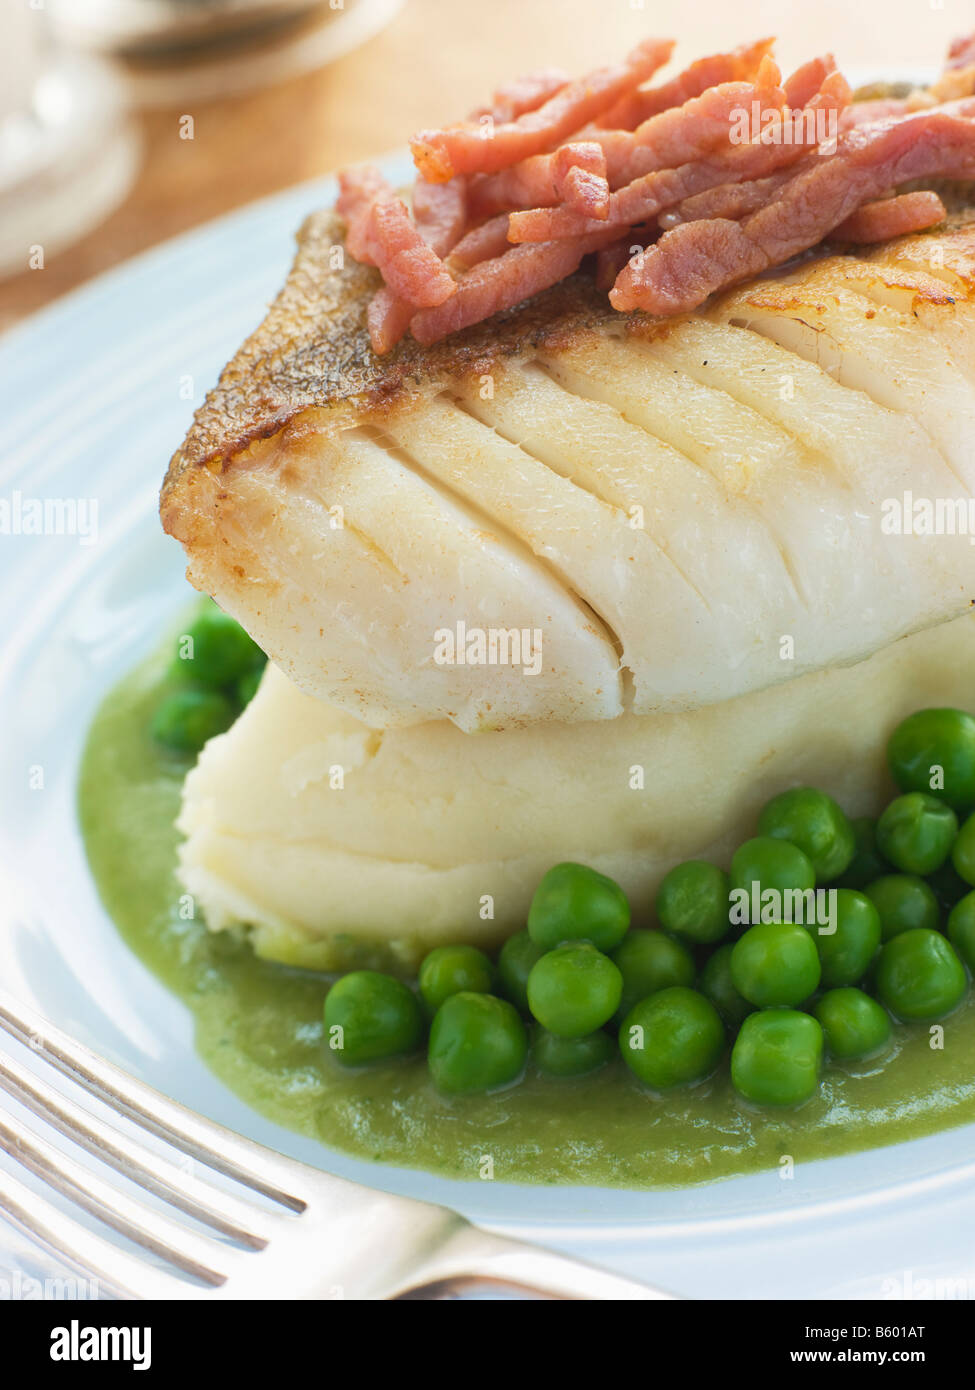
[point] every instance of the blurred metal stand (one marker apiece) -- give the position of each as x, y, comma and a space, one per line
176, 51
68, 152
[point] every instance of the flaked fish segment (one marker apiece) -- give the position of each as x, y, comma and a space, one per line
440, 154
739, 65
693, 260
890, 217
896, 363
536, 182
502, 283
586, 541
873, 452
376, 563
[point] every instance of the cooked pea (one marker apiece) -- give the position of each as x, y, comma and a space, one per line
854, 1025
963, 852
775, 964
765, 863
477, 1043
904, 902
575, 903
916, 833
518, 954
692, 902
216, 651
570, 1056
672, 1039
933, 751
574, 990
718, 986
867, 862
813, 822
961, 929
448, 970
370, 1016
846, 952
777, 1057
919, 976
648, 961
187, 719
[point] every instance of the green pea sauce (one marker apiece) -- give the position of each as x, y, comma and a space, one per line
259, 1028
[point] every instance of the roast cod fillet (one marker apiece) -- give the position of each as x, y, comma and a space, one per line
669, 513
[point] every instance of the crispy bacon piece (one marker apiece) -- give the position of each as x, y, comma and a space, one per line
387, 319
697, 258
536, 182
587, 193
807, 80
440, 210
359, 189
890, 217
740, 65
501, 283
440, 154
409, 267
524, 94
482, 243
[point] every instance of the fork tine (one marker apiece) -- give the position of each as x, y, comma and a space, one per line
61, 1235
219, 1148
220, 1210
193, 1254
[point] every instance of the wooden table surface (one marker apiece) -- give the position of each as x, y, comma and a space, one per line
436, 60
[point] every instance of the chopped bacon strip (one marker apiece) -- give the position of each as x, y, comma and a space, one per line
890, 217
387, 319
504, 282
524, 94
359, 189
483, 243
740, 65
611, 259
440, 210
440, 154
409, 267
807, 80
587, 193
535, 182
697, 258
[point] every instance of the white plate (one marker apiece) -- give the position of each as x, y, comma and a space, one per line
92, 403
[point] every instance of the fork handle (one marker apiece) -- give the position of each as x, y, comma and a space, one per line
473, 1258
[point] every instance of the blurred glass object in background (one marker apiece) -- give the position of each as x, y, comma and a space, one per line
68, 153
172, 51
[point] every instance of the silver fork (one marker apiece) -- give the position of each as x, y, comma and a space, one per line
314, 1236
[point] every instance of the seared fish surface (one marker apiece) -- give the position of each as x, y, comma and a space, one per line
566, 512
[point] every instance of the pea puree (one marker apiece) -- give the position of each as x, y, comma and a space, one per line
259, 1027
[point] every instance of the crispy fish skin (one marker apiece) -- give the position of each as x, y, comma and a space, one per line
686, 509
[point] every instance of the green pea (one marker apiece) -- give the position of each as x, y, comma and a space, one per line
370, 1016
919, 976
815, 823
765, 864
933, 751
477, 1043
948, 886
574, 990
777, 1057
570, 1056
246, 687
916, 833
575, 903
692, 902
867, 862
673, 1038
904, 902
187, 719
216, 651
718, 986
518, 954
775, 964
853, 1024
961, 929
448, 970
648, 961
846, 952
963, 853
